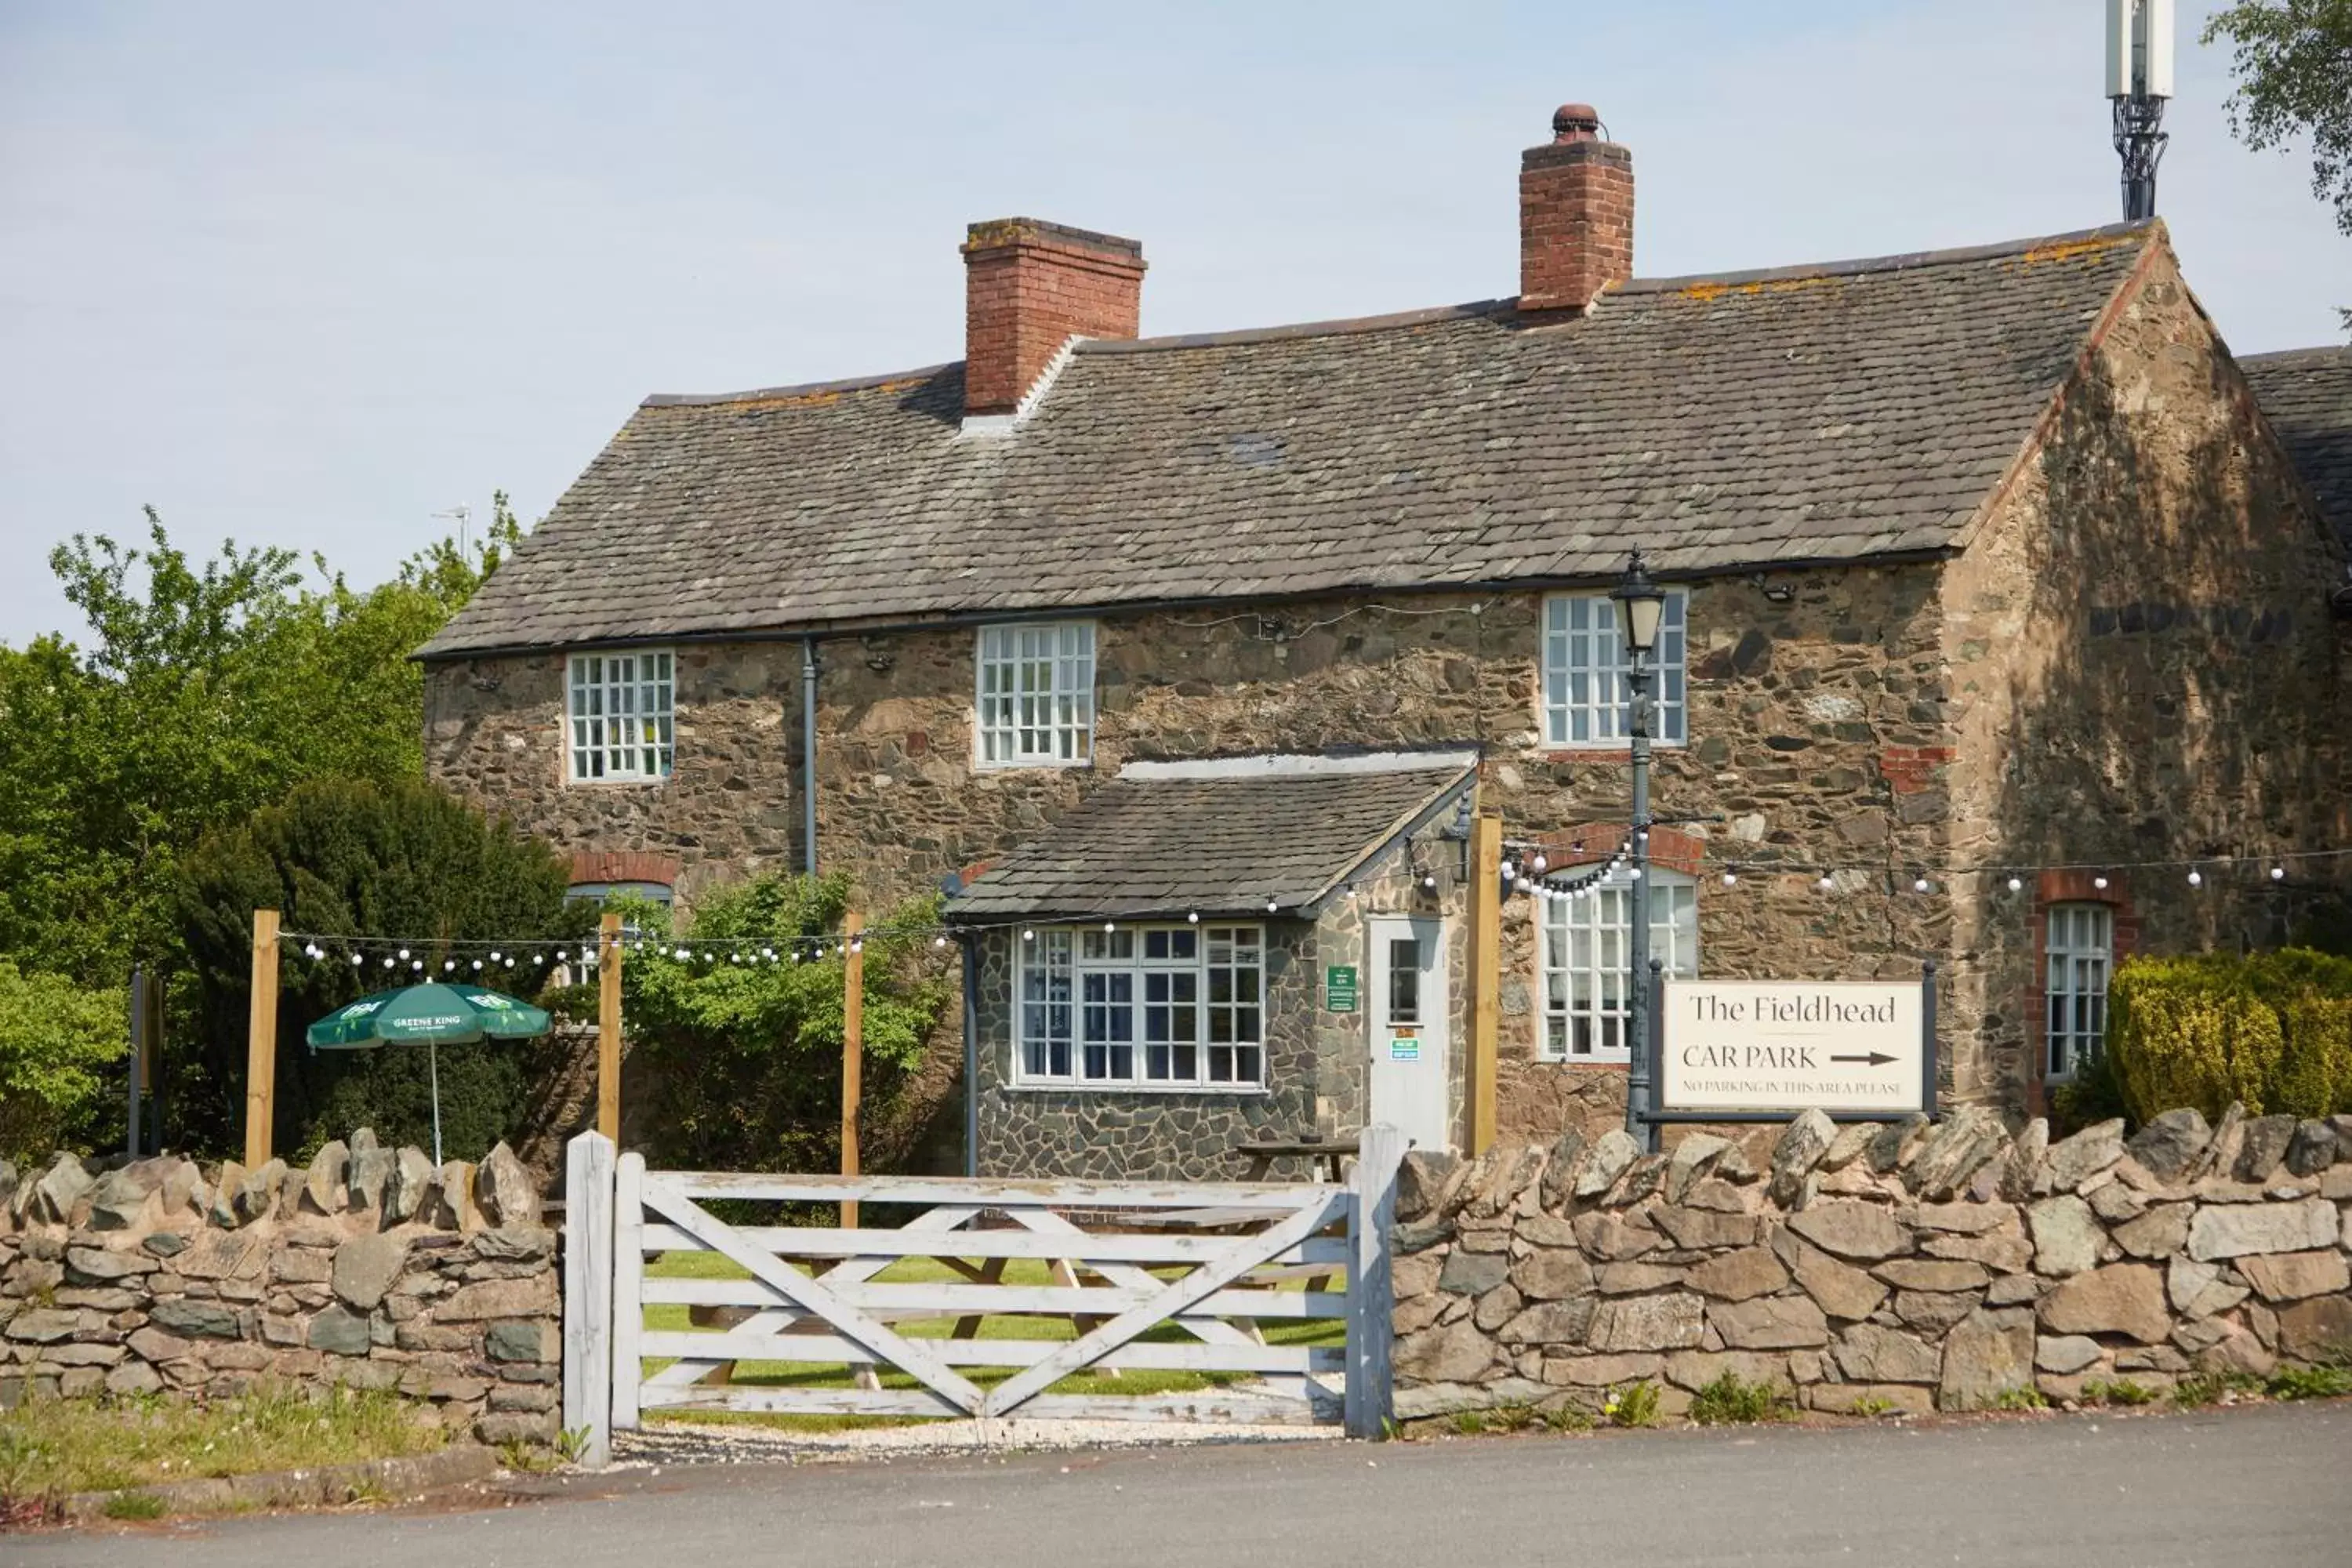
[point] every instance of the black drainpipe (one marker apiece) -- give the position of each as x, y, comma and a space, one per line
808, 755
971, 940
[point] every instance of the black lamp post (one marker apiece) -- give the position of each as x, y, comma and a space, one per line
1642, 604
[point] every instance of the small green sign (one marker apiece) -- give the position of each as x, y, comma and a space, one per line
1340, 988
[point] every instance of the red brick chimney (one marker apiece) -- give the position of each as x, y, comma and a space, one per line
1576, 214
1028, 287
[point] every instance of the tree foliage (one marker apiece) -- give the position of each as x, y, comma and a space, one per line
57, 1041
2292, 62
352, 856
205, 692
743, 1059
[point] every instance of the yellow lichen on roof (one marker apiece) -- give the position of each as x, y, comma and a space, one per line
1705, 292
2069, 250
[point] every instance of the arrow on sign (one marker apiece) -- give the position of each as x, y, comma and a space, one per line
1875, 1058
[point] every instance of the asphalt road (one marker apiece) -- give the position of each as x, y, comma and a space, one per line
2263, 1486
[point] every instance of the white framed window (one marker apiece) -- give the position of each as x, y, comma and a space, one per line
1586, 701
1584, 957
622, 712
1177, 1006
2080, 950
1036, 706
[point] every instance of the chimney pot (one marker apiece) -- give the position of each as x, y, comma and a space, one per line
1575, 123
1576, 215
1031, 286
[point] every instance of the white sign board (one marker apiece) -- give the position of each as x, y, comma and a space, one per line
1787, 1044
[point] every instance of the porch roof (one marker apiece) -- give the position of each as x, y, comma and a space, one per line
1222, 836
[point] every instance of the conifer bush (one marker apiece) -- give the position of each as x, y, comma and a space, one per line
2272, 1031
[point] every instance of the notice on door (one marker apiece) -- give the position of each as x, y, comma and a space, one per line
1790, 1044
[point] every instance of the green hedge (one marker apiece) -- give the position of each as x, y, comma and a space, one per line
2272, 1030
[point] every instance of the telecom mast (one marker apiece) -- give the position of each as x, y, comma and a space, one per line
2139, 79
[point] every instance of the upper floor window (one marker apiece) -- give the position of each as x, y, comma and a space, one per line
620, 713
1037, 694
1584, 960
1156, 1006
2080, 950
1586, 701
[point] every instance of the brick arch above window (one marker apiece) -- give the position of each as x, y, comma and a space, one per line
1594, 841
619, 865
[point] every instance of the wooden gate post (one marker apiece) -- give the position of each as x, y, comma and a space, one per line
261, 1043
608, 1027
1371, 1396
588, 1298
853, 1051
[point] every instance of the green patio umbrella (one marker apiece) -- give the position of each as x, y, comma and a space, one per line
431, 1015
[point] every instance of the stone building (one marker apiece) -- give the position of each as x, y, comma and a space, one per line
1999, 607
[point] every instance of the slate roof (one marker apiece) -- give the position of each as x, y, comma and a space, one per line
1143, 845
2307, 395
1810, 413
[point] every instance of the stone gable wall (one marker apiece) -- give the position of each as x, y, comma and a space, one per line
2141, 665
369, 1269
1907, 1266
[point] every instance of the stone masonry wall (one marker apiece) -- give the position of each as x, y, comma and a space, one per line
369, 1269
1900, 1267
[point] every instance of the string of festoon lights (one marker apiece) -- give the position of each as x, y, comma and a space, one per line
490, 958
1532, 871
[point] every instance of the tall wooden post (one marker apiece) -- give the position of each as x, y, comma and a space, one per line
608, 1027
853, 1051
261, 1043
1486, 976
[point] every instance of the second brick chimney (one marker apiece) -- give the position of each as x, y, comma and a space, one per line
1576, 214
1029, 287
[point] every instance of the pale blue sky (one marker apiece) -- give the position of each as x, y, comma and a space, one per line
308, 274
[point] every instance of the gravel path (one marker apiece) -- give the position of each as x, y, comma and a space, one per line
738, 1442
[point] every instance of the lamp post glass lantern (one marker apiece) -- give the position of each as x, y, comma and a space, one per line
1642, 604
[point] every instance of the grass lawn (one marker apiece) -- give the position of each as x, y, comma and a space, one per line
1133, 1381
50, 1447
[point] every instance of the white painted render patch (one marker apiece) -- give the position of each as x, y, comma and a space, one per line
1296, 765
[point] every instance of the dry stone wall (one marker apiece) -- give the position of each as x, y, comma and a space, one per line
1909, 1266
370, 1269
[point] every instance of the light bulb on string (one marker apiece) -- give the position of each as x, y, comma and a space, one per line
858, 944
1109, 926
2099, 882
1032, 936
1827, 884
1272, 905
389, 962
403, 954
1191, 917
2016, 885
2278, 873
417, 965
358, 959
1430, 880
1540, 862
939, 941
2195, 879
1731, 878
494, 955
1921, 885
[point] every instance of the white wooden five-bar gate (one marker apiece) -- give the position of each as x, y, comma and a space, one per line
1149, 1277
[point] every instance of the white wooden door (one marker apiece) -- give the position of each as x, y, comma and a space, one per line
1406, 1017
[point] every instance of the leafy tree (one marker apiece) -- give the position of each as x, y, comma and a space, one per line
744, 1058
56, 1042
205, 692
2292, 62
356, 857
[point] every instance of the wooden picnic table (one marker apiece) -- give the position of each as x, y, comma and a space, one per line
1323, 1154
